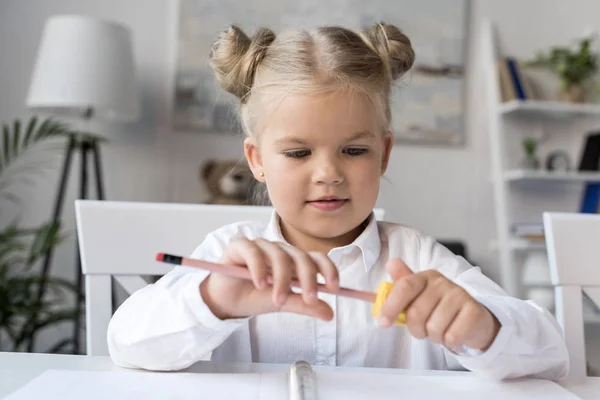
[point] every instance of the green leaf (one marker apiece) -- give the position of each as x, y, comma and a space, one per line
42, 130
30, 130
16, 137
45, 238
41, 237
47, 129
6, 134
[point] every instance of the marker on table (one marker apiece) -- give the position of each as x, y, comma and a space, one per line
303, 385
377, 298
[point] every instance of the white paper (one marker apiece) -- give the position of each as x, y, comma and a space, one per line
102, 385
77, 385
362, 386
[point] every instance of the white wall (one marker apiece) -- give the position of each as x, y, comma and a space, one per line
442, 191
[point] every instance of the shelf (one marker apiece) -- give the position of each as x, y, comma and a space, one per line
554, 176
548, 109
521, 244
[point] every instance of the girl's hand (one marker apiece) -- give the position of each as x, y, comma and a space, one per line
269, 263
438, 309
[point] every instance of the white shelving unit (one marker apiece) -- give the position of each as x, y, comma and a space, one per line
507, 180
546, 109
519, 175
519, 244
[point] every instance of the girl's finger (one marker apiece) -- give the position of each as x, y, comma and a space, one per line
419, 311
402, 294
282, 266
443, 316
327, 269
296, 304
306, 269
248, 254
465, 321
261, 302
397, 269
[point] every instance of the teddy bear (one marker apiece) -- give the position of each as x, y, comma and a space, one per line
229, 182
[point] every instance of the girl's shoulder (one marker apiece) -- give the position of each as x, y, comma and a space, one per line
419, 250
395, 232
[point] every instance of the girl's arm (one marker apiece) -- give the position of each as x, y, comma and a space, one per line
529, 342
166, 326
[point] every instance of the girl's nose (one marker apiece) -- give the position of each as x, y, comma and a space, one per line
327, 172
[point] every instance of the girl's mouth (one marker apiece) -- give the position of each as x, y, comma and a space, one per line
328, 203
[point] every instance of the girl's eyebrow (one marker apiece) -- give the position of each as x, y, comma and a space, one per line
290, 140
361, 135
296, 140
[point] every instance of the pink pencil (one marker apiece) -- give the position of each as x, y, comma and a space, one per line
244, 273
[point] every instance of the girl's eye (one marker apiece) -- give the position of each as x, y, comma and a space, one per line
297, 153
355, 151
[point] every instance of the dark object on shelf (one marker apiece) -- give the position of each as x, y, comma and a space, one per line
456, 247
590, 159
558, 160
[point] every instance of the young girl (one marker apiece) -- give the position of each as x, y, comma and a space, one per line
315, 109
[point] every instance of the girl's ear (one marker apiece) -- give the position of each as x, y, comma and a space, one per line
387, 141
252, 153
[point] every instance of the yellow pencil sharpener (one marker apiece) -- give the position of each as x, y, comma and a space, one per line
383, 290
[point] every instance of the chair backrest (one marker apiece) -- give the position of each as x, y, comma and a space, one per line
573, 246
120, 240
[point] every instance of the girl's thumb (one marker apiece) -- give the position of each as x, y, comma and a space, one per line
397, 269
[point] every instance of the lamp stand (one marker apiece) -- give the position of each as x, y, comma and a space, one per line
84, 145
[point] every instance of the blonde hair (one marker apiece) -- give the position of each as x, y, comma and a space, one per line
306, 62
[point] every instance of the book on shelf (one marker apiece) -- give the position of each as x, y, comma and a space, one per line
513, 83
528, 231
590, 161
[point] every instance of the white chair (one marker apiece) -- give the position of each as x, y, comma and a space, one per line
120, 240
573, 246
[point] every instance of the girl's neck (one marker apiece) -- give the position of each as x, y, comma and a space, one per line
307, 243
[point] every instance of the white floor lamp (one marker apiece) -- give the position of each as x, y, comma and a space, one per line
84, 68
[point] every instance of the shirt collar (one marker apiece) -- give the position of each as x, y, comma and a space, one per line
368, 242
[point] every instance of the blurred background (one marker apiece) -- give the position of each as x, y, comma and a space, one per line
490, 130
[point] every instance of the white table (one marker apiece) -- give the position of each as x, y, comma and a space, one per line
16, 369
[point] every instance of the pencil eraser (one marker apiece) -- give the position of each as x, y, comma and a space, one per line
383, 290
160, 257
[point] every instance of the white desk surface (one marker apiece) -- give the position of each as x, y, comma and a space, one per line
16, 369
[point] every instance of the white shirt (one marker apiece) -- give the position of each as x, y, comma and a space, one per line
167, 326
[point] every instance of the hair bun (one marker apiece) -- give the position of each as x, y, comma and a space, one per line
393, 47
235, 58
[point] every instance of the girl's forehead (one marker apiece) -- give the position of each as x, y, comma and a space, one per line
337, 115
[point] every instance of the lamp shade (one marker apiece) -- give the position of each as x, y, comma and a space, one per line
83, 64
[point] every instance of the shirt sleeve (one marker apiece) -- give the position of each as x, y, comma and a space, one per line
167, 326
529, 342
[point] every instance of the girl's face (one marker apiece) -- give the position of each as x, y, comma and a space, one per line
322, 157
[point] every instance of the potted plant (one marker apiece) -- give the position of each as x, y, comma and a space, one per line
576, 68
531, 160
23, 312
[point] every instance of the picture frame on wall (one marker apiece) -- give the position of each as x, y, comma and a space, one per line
427, 103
